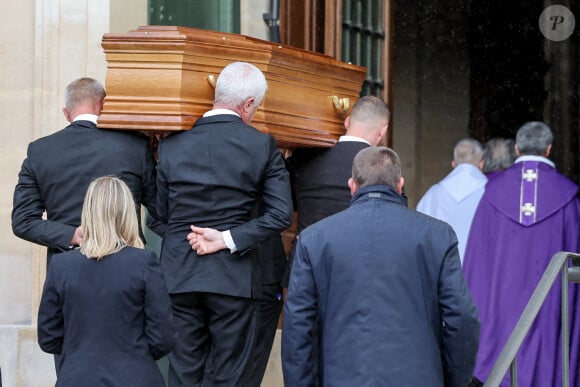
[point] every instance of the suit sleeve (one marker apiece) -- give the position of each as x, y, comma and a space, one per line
300, 312
460, 323
27, 211
50, 327
277, 200
159, 329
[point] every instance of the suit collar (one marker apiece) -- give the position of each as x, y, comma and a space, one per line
84, 124
218, 118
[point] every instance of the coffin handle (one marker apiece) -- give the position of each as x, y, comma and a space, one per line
211, 80
341, 105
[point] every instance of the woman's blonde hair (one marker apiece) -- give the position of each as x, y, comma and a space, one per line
109, 218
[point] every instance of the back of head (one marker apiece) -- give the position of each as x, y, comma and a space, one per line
239, 81
376, 165
467, 150
534, 138
369, 113
109, 218
498, 154
83, 91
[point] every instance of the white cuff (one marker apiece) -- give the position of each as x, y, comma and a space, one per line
229, 241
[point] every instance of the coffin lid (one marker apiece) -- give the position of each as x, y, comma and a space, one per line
159, 79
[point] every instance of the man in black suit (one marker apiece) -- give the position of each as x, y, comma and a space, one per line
209, 181
319, 177
58, 169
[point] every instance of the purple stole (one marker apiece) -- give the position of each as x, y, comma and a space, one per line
529, 192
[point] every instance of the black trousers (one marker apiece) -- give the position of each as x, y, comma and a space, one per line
216, 332
269, 307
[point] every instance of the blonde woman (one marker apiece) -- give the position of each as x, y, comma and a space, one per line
104, 308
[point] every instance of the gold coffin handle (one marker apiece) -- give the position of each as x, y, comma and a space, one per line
211, 80
341, 105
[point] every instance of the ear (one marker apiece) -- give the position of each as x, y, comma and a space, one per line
249, 104
453, 164
67, 115
518, 150
347, 122
383, 131
480, 165
400, 185
548, 150
352, 185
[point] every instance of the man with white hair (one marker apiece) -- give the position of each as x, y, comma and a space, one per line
210, 179
455, 198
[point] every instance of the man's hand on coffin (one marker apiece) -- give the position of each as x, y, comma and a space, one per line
206, 240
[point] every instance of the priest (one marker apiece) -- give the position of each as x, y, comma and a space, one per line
528, 213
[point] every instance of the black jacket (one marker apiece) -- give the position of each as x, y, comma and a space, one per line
212, 176
109, 319
58, 169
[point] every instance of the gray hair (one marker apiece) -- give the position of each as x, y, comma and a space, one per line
467, 150
239, 81
83, 90
370, 110
376, 165
534, 138
498, 154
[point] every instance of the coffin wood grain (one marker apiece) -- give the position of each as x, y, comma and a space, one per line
157, 81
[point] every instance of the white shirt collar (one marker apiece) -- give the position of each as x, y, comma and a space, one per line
216, 112
86, 117
541, 159
353, 138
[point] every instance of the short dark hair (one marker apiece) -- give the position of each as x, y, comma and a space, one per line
370, 108
377, 165
534, 138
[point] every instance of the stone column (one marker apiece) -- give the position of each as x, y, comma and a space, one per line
45, 45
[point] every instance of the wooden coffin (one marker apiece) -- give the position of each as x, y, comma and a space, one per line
159, 79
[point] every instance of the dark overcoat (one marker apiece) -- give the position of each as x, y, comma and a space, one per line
386, 286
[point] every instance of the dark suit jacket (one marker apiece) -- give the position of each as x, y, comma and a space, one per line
320, 180
108, 319
212, 176
58, 169
386, 285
